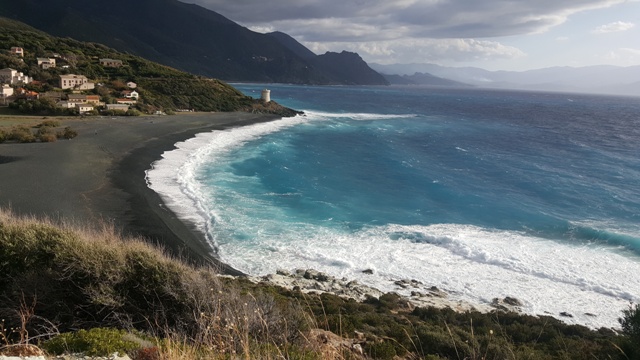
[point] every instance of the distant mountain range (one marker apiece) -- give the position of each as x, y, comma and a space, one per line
592, 79
191, 38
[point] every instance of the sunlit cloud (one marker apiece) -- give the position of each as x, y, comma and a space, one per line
425, 50
617, 26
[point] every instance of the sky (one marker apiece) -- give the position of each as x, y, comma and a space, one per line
511, 35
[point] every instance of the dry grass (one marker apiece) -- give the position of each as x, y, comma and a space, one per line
84, 277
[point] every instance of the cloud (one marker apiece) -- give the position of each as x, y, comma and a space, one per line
406, 30
417, 18
613, 27
424, 50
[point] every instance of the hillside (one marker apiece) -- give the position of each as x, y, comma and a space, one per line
161, 87
187, 37
69, 279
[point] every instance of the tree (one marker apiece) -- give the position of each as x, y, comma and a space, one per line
631, 329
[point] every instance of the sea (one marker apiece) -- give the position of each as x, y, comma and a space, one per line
482, 193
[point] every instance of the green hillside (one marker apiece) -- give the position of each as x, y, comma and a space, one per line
161, 87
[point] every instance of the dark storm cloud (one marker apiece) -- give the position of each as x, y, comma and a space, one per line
405, 30
417, 18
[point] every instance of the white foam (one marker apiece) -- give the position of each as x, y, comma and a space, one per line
174, 176
355, 116
474, 264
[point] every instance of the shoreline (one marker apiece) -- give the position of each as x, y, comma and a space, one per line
99, 177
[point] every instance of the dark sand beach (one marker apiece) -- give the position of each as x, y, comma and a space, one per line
99, 176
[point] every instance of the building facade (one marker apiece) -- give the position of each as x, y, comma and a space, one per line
73, 81
13, 77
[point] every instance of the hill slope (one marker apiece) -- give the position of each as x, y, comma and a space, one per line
161, 87
184, 36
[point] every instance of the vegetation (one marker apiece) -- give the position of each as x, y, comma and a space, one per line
44, 132
160, 87
631, 328
96, 292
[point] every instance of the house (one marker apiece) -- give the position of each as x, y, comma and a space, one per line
126, 101
130, 94
120, 107
22, 93
72, 81
13, 77
53, 95
111, 63
84, 108
65, 104
47, 63
6, 91
132, 85
17, 51
77, 99
93, 99
86, 86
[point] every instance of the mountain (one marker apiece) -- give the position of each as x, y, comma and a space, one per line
185, 36
604, 79
293, 45
423, 79
346, 67
160, 87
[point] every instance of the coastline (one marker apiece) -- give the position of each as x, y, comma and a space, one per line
99, 177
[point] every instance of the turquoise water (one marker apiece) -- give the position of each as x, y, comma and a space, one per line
483, 193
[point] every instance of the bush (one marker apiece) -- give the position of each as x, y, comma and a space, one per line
630, 323
22, 134
95, 342
48, 123
3, 136
67, 133
48, 137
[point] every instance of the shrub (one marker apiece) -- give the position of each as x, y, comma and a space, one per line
95, 342
3, 136
48, 123
48, 137
22, 134
67, 133
630, 323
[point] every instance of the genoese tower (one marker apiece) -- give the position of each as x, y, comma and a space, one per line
266, 95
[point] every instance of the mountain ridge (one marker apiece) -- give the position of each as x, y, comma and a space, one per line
602, 79
198, 40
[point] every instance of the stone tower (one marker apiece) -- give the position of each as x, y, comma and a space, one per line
266, 95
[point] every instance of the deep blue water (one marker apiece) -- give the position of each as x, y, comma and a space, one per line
505, 160
483, 193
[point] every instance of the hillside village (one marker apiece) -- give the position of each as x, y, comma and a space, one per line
71, 93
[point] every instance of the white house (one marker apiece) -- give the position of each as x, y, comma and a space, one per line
65, 104
121, 107
73, 81
47, 63
6, 91
13, 77
130, 94
84, 108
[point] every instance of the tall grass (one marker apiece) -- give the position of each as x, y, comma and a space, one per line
61, 277
84, 277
